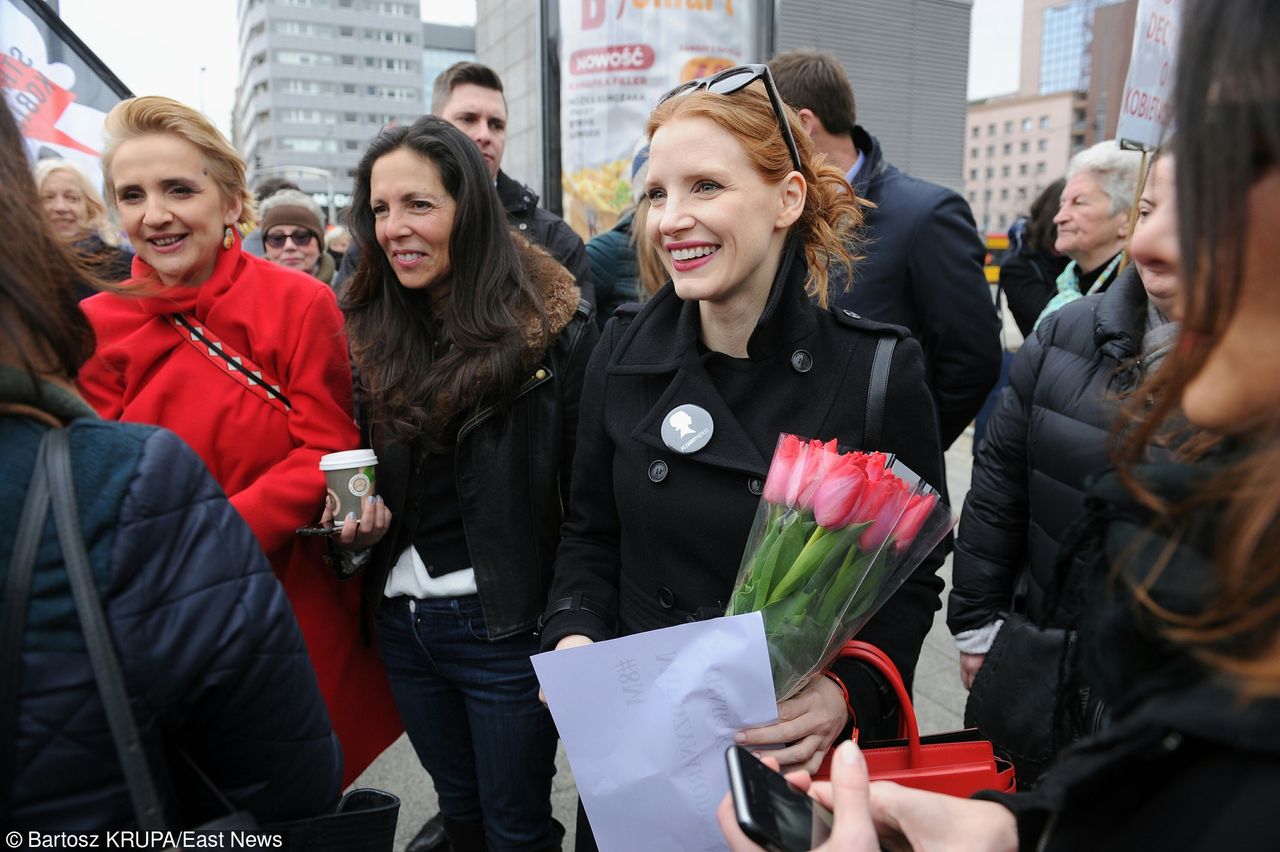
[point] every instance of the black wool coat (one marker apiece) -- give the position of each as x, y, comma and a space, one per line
654, 538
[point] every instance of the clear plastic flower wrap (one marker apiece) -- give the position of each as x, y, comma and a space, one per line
835, 535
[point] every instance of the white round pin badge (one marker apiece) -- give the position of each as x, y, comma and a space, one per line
687, 428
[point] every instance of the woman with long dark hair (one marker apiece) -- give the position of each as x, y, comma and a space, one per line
471, 345
1182, 637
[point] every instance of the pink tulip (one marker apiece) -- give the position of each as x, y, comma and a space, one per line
784, 458
882, 504
836, 498
913, 517
808, 471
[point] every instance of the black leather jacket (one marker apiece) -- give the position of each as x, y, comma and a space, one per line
512, 466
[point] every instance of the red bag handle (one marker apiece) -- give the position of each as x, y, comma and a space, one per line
908, 728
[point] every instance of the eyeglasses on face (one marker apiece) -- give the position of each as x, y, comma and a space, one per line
736, 79
301, 239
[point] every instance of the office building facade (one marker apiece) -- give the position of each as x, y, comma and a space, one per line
1075, 54
319, 79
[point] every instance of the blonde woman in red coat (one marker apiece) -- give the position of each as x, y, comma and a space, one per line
247, 362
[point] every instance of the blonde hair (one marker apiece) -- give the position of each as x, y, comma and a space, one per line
832, 214
99, 222
154, 115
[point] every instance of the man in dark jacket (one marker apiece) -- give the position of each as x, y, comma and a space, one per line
469, 96
923, 258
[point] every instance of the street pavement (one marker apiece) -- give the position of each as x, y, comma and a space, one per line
939, 700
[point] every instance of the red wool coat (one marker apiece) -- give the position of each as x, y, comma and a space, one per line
265, 457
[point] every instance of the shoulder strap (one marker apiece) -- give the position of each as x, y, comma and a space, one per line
106, 667
13, 620
877, 392
244, 371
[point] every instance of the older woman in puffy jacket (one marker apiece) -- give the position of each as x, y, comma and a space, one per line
210, 651
1052, 430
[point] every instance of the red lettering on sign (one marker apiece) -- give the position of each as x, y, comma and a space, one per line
616, 57
592, 14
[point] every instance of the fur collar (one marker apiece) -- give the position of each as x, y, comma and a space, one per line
560, 297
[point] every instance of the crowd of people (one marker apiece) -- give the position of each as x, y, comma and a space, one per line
1114, 600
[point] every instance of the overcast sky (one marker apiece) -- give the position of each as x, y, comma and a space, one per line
159, 47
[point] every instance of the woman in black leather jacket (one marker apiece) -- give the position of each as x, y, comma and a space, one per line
471, 346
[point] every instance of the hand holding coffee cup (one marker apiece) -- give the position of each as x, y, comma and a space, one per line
351, 503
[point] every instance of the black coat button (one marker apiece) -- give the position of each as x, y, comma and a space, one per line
658, 471
665, 598
801, 361
755, 485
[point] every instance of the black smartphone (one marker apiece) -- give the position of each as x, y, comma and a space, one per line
318, 530
770, 811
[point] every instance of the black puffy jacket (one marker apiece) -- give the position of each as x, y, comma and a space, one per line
212, 658
1051, 430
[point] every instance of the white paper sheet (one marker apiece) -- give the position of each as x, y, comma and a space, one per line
645, 721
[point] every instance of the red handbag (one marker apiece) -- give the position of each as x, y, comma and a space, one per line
958, 763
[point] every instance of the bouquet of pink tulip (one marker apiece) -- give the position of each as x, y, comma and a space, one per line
834, 537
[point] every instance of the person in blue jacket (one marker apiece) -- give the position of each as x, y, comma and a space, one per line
212, 658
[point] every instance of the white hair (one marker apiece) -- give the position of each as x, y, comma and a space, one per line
1115, 170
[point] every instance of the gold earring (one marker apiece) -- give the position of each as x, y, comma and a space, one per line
228, 239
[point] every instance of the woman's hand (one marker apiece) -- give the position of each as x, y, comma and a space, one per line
374, 523
969, 665
809, 721
573, 640
901, 818
846, 796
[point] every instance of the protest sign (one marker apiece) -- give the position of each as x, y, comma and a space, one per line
56, 88
1146, 109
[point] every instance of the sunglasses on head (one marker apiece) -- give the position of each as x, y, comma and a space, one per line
736, 79
301, 239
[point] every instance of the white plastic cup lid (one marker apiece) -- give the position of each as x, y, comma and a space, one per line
348, 458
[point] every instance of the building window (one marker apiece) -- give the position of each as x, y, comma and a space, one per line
1008, 127
1022, 169
1026, 124
1044, 122
346, 32
1042, 145
303, 57
973, 196
1004, 221
1004, 171
348, 88
1025, 146
973, 174
991, 150
351, 144
973, 153
1008, 148
990, 172
991, 130
308, 145
1041, 167
976, 131
347, 59
1004, 194
302, 28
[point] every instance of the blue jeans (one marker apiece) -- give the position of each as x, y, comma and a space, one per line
471, 709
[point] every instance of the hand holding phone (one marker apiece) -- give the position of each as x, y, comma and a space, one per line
769, 810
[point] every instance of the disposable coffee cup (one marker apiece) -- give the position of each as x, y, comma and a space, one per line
349, 478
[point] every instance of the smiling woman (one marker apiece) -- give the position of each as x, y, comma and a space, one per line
471, 346
246, 361
747, 230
